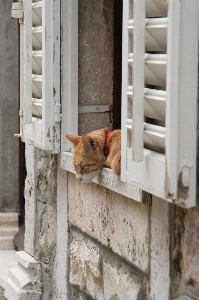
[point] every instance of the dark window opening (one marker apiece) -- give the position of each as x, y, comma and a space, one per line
118, 7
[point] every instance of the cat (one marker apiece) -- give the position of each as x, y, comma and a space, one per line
95, 150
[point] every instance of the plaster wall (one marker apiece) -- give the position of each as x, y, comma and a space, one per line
9, 110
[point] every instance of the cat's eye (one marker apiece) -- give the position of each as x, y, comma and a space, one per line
83, 167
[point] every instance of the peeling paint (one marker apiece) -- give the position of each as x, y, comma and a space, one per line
182, 190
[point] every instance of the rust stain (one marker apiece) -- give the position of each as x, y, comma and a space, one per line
182, 190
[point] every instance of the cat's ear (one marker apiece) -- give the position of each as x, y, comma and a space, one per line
88, 142
75, 139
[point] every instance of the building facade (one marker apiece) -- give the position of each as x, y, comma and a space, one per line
103, 240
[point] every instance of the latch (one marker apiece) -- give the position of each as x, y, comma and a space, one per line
83, 109
110, 111
17, 11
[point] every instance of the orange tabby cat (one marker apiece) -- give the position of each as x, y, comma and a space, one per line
93, 151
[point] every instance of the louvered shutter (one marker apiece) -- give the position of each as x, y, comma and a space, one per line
159, 97
40, 74
69, 76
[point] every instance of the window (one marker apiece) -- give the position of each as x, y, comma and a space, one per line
159, 92
159, 98
40, 74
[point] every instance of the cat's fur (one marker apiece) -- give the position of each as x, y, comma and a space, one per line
88, 155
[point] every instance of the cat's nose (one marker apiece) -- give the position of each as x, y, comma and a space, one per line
79, 177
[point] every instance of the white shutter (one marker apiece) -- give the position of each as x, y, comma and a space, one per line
159, 97
69, 75
40, 74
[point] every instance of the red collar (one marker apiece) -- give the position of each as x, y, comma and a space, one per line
106, 150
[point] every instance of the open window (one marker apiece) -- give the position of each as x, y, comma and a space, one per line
159, 98
40, 74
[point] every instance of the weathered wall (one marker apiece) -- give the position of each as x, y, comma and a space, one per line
109, 250
95, 61
41, 215
185, 254
9, 107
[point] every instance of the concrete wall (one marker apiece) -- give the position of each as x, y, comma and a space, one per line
9, 110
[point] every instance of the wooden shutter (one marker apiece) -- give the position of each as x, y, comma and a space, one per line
40, 74
159, 97
69, 74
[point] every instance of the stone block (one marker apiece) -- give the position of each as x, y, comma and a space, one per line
85, 266
120, 283
185, 252
23, 280
30, 201
183, 297
190, 249
78, 295
160, 258
114, 220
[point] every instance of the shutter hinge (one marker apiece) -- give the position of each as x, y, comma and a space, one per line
17, 11
58, 114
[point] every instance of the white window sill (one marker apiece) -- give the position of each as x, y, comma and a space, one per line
106, 179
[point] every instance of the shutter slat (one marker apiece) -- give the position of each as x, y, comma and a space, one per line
154, 136
37, 86
37, 62
155, 34
37, 38
155, 69
37, 108
156, 8
155, 104
37, 13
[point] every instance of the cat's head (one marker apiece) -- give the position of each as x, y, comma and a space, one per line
88, 157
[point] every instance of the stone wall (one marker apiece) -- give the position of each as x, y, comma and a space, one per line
109, 250
110, 246
185, 254
41, 215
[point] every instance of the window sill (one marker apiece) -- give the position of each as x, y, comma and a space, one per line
106, 179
